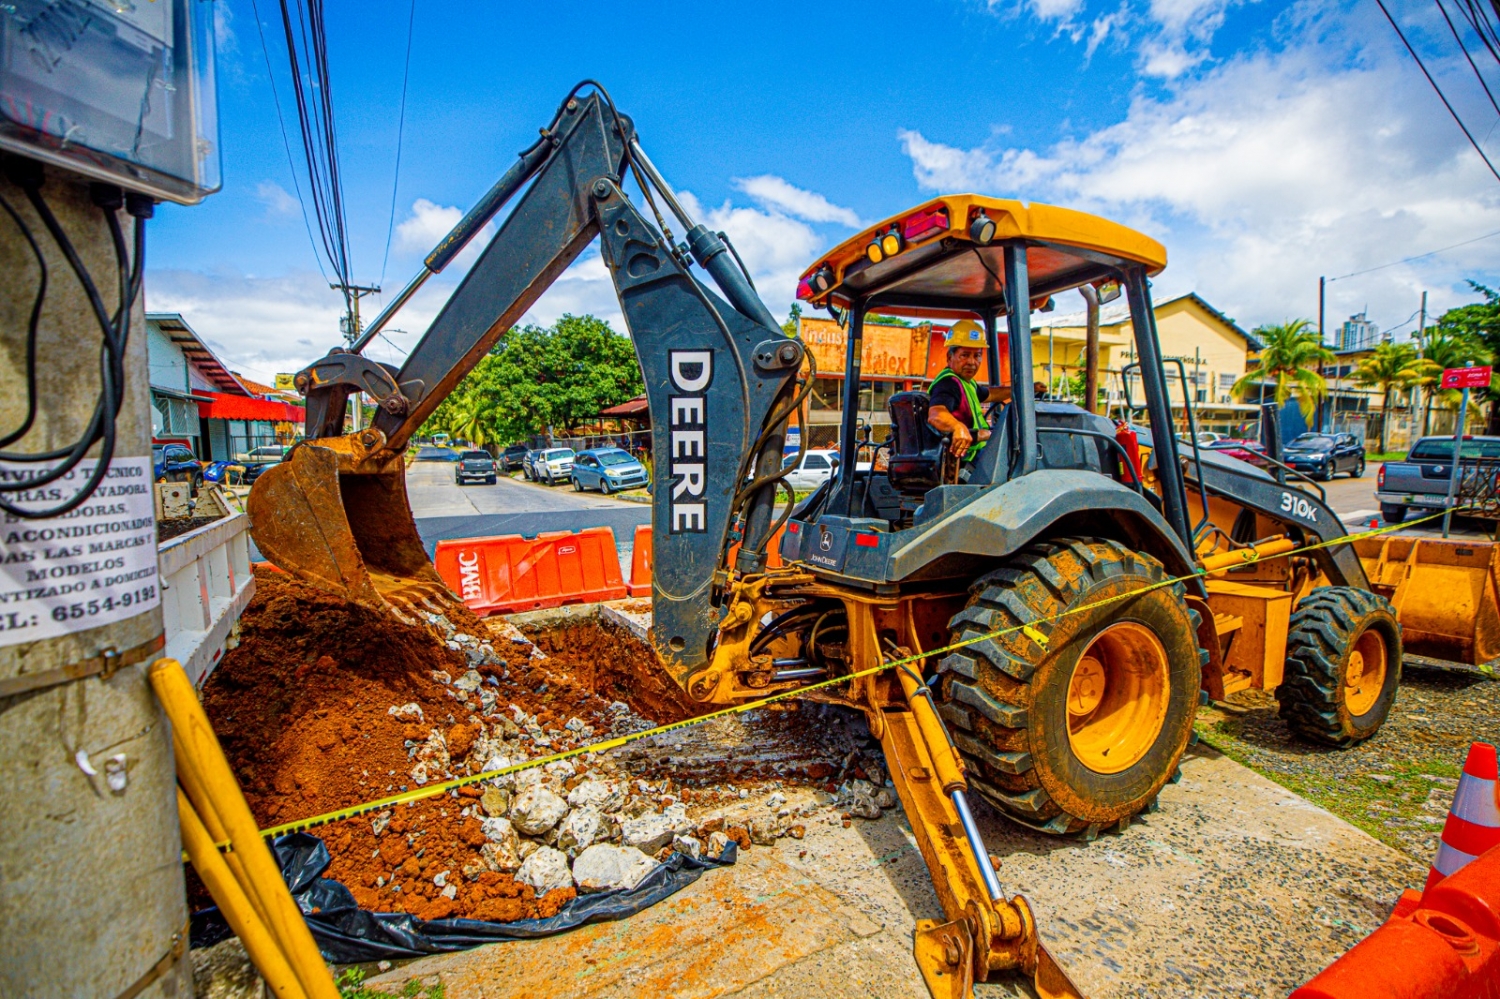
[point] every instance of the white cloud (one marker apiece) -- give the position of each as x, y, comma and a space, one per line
428, 223
777, 194
1172, 36
1267, 171
276, 198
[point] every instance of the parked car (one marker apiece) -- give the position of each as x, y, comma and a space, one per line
1248, 451
436, 454
816, 468
513, 457
607, 469
175, 463
553, 465
1420, 481
474, 466
1322, 456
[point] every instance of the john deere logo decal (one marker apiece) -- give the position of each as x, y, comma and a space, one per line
826, 541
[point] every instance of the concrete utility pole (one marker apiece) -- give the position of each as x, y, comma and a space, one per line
1323, 339
93, 901
350, 326
1091, 348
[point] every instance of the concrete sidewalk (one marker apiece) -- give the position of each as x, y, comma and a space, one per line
1235, 888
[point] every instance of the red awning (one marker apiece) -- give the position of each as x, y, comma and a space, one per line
239, 407
635, 407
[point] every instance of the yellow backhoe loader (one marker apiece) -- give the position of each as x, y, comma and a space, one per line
1085, 582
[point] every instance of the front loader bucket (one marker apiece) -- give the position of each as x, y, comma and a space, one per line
1445, 593
349, 532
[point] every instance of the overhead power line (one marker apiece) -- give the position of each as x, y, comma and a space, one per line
1438, 90
286, 142
307, 54
1465, 50
1420, 256
390, 228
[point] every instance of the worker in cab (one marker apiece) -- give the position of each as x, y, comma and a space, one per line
955, 403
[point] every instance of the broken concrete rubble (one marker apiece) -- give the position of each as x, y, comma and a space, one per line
603, 867
546, 870
648, 833
536, 811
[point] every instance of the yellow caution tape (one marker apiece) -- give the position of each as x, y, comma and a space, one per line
1029, 629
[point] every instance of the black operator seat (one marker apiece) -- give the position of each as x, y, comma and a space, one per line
916, 461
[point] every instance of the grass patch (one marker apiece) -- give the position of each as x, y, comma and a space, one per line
1388, 456
1390, 803
351, 985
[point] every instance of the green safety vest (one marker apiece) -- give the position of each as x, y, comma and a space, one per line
976, 408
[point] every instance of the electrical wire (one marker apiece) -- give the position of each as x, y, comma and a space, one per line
115, 329
312, 86
1438, 90
1465, 50
390, 228
31, 324
286, 143
1420, 256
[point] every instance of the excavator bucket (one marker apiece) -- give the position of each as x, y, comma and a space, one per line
1446, 593
346, 531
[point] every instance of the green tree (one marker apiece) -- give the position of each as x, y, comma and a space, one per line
1391, 366
1445, 349
538, 378
1292, 352
790, 326
1480, 321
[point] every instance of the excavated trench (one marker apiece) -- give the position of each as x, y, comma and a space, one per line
325, 705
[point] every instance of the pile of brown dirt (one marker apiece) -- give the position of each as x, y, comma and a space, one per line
303, 709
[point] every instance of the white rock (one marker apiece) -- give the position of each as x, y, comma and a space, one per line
441, 675
690, 846
502, 857
536, 810
650, 832
885, 798
408, 712
717, 841
528, 847
604, 795
581, 828
440, 879
545, 870
676, 816
451, 891
497, 829
605, 868
419, 774
775, 801
561, 768
469, 682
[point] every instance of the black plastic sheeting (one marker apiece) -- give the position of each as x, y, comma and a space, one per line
347, 934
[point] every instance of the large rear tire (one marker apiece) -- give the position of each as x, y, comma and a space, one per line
1343, 666
1392, 513
1080, 731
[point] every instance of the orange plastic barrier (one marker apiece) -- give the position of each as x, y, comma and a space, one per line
640, 562
509, 574
1443, 943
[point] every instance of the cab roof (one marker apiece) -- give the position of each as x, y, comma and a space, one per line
940, 271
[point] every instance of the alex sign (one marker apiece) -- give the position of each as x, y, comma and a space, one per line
1471, 378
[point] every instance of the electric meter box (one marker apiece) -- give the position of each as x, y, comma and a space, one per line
118, 90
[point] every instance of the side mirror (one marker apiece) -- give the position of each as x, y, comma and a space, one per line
1108, 292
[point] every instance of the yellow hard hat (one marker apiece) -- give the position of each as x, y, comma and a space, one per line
966, 333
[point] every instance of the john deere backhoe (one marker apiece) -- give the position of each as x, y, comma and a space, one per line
1099, 579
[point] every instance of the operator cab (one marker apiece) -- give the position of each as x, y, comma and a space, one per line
992, 261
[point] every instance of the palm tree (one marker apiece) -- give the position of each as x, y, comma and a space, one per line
1292, 351
468, 423
1444, 350
1391, 366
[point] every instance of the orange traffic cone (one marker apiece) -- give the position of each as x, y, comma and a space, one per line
1473, 824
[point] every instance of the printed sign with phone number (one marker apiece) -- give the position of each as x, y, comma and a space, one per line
93, 566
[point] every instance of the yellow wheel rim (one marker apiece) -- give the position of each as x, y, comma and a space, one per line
1364, 676
1117, 698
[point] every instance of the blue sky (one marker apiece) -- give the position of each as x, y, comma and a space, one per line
1264, 143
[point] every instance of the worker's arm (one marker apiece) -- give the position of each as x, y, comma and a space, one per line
998, 393
941, 419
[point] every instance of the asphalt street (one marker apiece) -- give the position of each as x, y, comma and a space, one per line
443, 509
